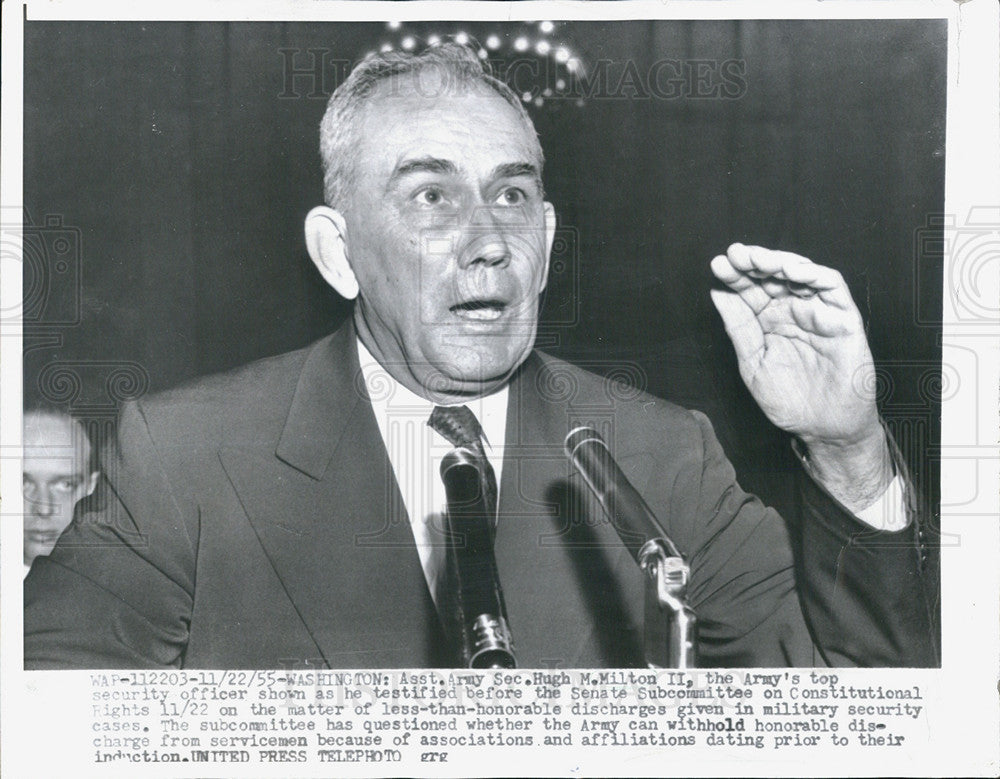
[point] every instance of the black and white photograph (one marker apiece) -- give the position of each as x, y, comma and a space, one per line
383, 372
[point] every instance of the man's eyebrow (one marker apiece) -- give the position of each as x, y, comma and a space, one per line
514, 169
448, 167
423, 165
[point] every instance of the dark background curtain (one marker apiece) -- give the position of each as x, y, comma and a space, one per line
168, 167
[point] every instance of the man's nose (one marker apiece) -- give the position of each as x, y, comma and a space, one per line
487, 243
42, 504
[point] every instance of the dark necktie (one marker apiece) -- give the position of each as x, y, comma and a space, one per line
468, 595
461, 428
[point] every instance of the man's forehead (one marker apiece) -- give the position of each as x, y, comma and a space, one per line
54, 465
48, 436
433, 83
53, 462
404, 121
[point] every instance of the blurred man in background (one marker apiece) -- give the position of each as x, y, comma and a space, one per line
58, 472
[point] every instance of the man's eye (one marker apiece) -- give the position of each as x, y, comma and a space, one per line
66, 485
431, 196
512, 196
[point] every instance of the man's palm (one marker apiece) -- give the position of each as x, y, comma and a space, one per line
800, 343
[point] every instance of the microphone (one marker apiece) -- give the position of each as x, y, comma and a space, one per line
671, 627
476, 617
630, 515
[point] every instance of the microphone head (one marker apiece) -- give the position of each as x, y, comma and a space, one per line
460, 456
581, 435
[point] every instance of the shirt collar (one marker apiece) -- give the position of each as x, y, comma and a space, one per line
386, 393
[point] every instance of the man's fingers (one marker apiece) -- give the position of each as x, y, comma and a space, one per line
725, 271
801, 290
756, 293
760, 261
741, 324
780, 273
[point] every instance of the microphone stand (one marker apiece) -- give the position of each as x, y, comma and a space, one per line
670, 626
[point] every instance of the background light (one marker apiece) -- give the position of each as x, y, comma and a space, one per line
562, 66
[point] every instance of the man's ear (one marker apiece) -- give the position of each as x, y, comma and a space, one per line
326, 241
550, 236
91, 483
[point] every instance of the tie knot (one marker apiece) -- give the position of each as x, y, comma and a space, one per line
458, 424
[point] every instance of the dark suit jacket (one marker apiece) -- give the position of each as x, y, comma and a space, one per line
252, 520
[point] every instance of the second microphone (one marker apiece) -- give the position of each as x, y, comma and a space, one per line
476, 616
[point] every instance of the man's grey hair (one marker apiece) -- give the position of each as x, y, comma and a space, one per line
459, 68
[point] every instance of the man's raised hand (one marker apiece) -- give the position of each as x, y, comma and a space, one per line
802, 351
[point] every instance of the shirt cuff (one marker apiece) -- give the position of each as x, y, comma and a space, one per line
889, 511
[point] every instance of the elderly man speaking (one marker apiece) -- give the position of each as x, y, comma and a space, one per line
290, 513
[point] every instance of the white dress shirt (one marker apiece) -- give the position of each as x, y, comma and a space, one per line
415, 451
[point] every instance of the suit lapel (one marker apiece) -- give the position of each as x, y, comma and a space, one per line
330, 517
572, 592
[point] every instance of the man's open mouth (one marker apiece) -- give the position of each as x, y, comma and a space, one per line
479, 310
